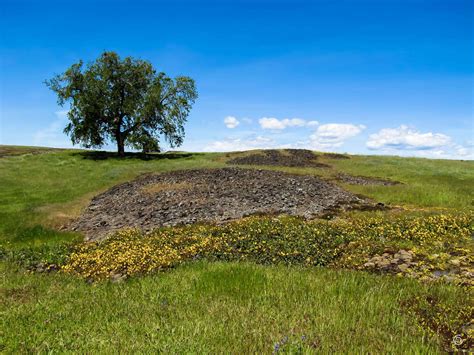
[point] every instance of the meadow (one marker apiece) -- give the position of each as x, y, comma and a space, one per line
257, 285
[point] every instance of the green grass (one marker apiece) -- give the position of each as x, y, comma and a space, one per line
12, 150
216, 307
54, 186
43, 190
205, 307
426, 182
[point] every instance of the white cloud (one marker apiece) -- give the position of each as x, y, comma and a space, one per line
238, 144
333, 135
231, 122
404, 138
464, 151
449, 152
406, 141
53, 135
276, 124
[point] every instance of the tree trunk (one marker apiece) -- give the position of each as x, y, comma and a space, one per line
120, 145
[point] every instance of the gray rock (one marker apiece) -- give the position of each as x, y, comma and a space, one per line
383, 264
403, 267
210, 195
117, 278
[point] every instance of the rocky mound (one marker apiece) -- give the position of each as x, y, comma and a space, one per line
336, 156
210, 195
363, 180
290, 158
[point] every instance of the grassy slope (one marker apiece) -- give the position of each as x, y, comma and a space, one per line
210, 310
48, 188
54, 186
426, 182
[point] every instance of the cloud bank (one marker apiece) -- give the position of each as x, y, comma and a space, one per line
404, 138
273, 123
333, 135
239, 144
408, 141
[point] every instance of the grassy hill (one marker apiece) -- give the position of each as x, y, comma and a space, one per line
221, 306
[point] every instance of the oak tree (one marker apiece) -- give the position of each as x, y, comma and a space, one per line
123, 101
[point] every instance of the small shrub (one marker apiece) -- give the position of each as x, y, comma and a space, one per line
46, 257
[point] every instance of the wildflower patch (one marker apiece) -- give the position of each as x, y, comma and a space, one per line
426, 247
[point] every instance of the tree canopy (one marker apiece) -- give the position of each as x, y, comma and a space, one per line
123, 101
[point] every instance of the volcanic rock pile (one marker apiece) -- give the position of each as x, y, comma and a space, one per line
363, 180
210, 195
289, 157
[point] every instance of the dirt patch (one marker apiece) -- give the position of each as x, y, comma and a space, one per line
210, 195
16, 295
364, 180
61, 215
289, 157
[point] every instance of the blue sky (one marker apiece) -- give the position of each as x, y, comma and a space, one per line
371, 77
